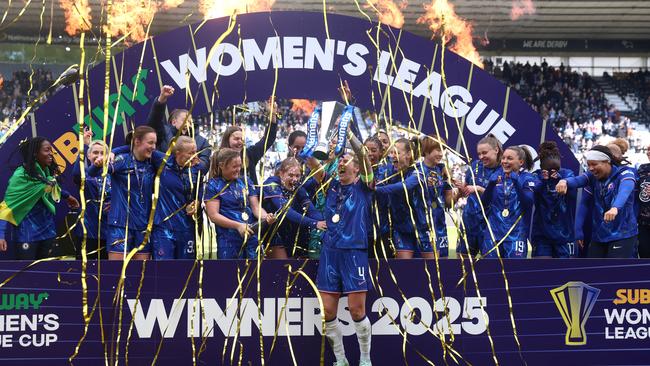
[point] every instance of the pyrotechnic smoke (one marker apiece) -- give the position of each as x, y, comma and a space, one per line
220, 8
303, 105
77, 16
520, 8
388, 11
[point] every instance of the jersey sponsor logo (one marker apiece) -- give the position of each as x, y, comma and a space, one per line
644, 192
432, 179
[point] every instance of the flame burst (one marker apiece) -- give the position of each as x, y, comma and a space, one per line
303, 105
132, 17
388, 11
443, 21
77, 16
221, 8
520, 8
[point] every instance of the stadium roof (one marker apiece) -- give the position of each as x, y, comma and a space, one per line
553, 19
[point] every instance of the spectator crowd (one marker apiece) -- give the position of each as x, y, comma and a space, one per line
575, 104
15, 93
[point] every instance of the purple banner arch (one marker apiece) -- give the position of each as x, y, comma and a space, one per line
296, 55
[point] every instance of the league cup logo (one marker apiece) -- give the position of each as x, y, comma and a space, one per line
575, 300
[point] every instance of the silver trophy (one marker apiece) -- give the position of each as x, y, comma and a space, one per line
330, 113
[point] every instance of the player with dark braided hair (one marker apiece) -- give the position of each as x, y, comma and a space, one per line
553, 234
30, 203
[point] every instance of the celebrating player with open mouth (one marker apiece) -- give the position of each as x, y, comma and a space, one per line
510, 197
343, 266
609, 203
231, 201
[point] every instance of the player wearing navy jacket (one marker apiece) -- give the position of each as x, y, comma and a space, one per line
28, 210
618, 148
477, 177
96, 232
509, 198
343, 267
553, 222
132, 179
231, 201
608, 202
174, 222
297, 213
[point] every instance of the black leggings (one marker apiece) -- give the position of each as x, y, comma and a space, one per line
38, 249
644, 241
91, 246
623, 248
382, 242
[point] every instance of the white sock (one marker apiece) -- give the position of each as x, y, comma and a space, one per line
335, 338
364, 331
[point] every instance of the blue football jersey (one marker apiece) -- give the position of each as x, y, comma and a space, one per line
418, 199
554, 216
603, 194
472, 213
300, 213
507, 205
131, 191
179, 188
347, 211
93, 192
234, 200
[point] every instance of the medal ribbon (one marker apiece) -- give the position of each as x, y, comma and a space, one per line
312, 134
340, 199
506, 193
343, 129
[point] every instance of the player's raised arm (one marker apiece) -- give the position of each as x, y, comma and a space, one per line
365, 166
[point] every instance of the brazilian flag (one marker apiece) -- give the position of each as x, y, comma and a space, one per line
24, 191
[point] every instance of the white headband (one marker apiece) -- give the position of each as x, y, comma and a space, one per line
596, 155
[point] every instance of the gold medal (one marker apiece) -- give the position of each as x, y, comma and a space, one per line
336, 218
505, 212
434, 205
244, 216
